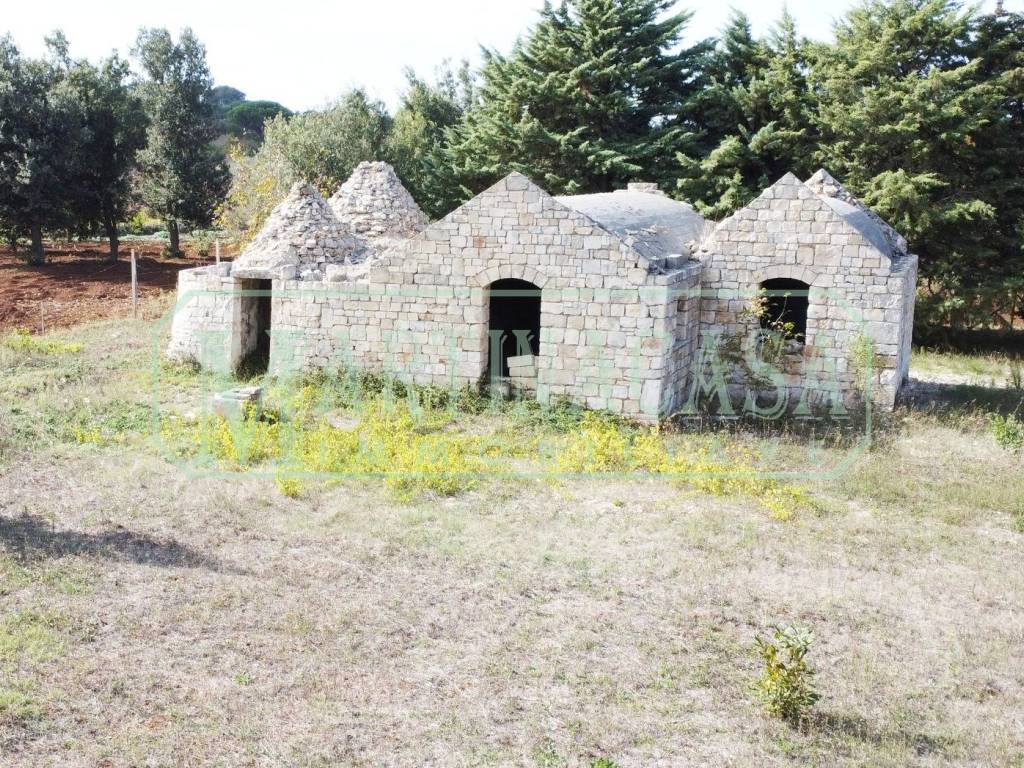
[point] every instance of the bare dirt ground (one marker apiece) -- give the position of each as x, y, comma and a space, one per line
148, 617
77, 284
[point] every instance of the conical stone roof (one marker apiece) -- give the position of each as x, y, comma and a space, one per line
374, 205
300, 237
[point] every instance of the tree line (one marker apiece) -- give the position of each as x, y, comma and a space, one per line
82, 143
917, 105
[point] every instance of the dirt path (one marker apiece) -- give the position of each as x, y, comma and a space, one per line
77, 284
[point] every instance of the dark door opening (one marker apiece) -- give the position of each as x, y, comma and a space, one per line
514, 323
786, 303
256, 326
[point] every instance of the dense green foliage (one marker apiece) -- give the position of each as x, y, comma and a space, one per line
109, 135
912, 123
184, 177
418, 137
591, 99
753, 118
34, 152
916, 105
242, 119
322, 147
325, 147
69, 134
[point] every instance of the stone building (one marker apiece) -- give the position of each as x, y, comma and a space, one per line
610, 300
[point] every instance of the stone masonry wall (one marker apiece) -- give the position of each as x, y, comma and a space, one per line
790, 232
684, 301
607, 324
207, 326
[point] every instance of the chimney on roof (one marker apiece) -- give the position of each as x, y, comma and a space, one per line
644, 186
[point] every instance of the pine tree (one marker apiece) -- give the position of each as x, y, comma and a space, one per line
902, 107
184, 177
717, 109
588, 102
754, 116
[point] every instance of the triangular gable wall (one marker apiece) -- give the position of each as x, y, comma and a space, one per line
516, 222
788, 224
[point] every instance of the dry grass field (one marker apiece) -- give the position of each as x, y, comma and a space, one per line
151, 617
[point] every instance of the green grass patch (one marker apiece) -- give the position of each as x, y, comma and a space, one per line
58, 576
991, 368
19, 703
22, 340
30, 636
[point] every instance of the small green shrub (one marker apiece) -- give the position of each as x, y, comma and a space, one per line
1008, 431
786, 687
203, 241
1018, 518
864, 362
141, 223
289, 486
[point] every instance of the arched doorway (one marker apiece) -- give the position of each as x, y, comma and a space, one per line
785, 307
514, 327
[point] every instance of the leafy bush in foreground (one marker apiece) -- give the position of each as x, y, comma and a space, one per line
785, 687
1008, 431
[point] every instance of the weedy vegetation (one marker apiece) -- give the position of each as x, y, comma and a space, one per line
361, 571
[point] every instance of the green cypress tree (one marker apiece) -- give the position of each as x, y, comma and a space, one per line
589, 101
902, 106
716, 110
999, 48
754, 116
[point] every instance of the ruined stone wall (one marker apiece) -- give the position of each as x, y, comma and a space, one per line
607, 324
909, 288
790, 232
207, 325
683, 323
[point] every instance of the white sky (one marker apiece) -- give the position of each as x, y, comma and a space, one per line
304, 53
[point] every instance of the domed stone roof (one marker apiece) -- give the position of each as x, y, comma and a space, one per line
301, 236
374, 205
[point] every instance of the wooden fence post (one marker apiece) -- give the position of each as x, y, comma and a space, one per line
135, 287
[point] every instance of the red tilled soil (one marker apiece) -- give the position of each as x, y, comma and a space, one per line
77, 284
